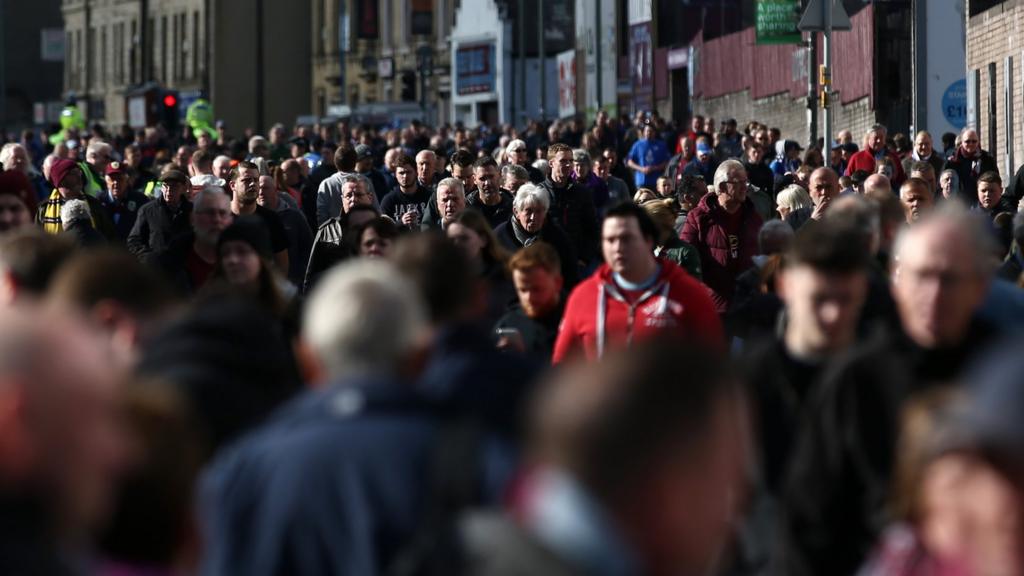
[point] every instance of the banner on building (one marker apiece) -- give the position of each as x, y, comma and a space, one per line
776, 22
566, 83
475, 69
641, 65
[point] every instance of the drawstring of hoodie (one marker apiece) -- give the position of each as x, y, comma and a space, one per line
605, 290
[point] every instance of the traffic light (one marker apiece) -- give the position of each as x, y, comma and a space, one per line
408, 86
169, 115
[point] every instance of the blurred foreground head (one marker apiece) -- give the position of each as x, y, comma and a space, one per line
60, 445
660, 450
364, 319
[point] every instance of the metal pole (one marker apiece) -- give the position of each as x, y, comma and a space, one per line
540, 57
598, 53
827, 63
144, 41
259, 66
812, 88
3, 74
521, 16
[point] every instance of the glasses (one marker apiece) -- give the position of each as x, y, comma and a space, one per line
352, 195
970, 141
736, 183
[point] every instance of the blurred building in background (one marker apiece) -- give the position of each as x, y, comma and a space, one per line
31, 62
249, 57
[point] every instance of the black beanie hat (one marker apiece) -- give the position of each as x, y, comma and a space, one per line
252, 231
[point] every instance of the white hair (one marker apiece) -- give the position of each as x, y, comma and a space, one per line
75, 211
794, 197
722, 173
452, 185
517, 143
364, 317
531, 194
255, 142
222, 159
7, 152
96, 148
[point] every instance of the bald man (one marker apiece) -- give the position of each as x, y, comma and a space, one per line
823, 186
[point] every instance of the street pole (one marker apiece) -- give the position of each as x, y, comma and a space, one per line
540, 57
826, 75
520, 21
812, 89
3, 75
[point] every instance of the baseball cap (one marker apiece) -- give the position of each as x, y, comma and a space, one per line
115, 169
703, 148
363, 151
299, 141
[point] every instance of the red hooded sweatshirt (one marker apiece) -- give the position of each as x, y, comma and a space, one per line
601, 315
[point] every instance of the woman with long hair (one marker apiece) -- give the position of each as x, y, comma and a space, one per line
471, 232
244, 265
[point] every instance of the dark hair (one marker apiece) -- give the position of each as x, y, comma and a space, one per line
835, 248
242, 165
405, 160
111, 274
32, 257
643, 219
484, 162
440, 270
641, 411
991, 177
345, 158
462, 158
384, 227
556, 149
922, 167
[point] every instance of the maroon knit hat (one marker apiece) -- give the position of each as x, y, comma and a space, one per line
17, 184
59, 169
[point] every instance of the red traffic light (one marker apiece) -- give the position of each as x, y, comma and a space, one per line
170, 100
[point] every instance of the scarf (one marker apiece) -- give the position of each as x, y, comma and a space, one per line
524, 237
51, 213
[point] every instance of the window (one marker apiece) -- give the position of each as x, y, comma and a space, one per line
992, 102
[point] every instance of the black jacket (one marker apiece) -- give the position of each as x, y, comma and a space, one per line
156, 225
497, 214
572, 208
964, 168
837, 491
553, 235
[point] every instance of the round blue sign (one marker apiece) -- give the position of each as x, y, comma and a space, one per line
954, 104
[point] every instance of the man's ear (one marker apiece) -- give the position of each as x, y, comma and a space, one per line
311, 371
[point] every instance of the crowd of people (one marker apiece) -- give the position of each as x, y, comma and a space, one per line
629, 347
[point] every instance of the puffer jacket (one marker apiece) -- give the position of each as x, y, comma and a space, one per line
705, 230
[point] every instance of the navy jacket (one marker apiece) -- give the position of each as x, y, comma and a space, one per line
334, 483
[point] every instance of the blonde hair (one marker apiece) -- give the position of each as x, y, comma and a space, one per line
794, 197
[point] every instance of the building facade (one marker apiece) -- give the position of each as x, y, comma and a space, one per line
995, 94
384, 55
220, 48
31, 63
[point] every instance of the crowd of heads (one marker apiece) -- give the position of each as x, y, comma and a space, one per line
623, 337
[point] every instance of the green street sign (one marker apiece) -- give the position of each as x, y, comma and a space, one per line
777, 22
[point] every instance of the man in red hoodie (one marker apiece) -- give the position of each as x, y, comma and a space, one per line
633, 295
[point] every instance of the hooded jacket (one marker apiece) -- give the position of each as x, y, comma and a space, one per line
705, 231
599, 315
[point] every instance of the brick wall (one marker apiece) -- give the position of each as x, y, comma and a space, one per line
786, 113
992, 36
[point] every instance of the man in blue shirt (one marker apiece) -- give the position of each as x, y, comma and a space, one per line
647, 158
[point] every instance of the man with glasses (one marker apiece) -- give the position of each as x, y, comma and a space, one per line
244, 185
190, 258
516, 154
160, 221
723, 227
969, 162
823, 186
